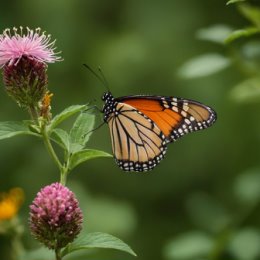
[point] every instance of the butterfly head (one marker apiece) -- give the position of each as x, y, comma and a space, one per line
109, 105
107, 96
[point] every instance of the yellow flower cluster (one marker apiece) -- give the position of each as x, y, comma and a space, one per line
10, 203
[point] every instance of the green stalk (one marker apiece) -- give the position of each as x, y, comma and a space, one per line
64, 169
52, 153
33, 112
58, 254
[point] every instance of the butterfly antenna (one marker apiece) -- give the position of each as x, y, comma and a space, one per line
101, 78
104, 78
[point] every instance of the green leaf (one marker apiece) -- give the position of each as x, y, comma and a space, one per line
246, 91
247, 187
204, 65
234, 1
207, 213
65, 114
192, 245
41, 253
81, 130
84, 155
252, 13
241, 33
11, 128
61, 137
97, 240
251, 51
216, 33
245, 244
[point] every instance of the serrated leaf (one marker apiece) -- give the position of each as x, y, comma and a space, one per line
81, 130
65, 114
216, 33
192, 245
84, 155
97, 240
246, 91
11, 128
252, 13
61, 137
204, 65
241, 33
234, 1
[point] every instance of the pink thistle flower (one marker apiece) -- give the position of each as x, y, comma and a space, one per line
55, 216
24, 57
33, 44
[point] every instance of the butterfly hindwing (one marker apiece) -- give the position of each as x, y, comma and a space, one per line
137, 143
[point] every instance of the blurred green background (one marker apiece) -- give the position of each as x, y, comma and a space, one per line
202, 201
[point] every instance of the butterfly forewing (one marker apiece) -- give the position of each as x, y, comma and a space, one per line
174, 116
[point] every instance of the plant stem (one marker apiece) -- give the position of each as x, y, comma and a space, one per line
63, 176
58, 254
33, 112
51, 150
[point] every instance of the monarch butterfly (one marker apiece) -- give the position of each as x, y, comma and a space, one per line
142, 126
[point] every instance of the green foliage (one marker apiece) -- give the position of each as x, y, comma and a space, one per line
83, 155
191, 245
74, 142
247, 187
10, 129
81, 131
41, 253
61, 137
204, 65
234, 1
250, 12
65, 114
244, 244
97, 240
237, 34
207, 213
246, 91
216, 33
245, 56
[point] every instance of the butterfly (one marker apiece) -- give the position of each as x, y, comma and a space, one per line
142, 126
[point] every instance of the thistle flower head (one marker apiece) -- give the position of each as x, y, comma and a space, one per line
26, 81
24, 57
55, 216
33, 44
